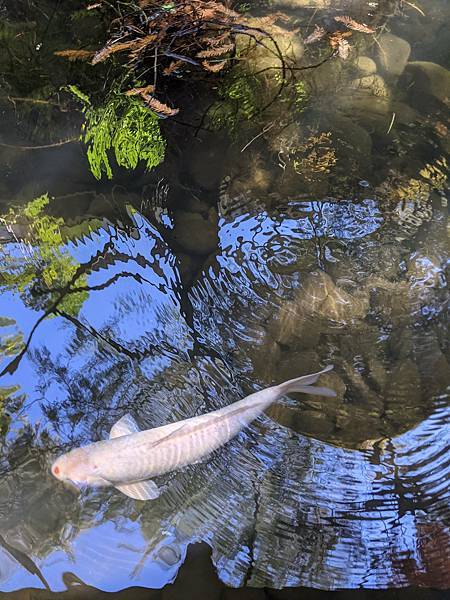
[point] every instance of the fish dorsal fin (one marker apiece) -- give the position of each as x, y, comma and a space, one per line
124, 426
141, 490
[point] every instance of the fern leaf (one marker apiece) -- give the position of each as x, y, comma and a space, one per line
174, 65
103, 54
73, 55
141, 44
316, 35
140, 91
214, 67
159, 107
216, 41
352, 24
213, 52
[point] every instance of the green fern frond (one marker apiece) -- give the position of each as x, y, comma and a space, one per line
126, 126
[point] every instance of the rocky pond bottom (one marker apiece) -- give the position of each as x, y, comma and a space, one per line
312, 234
328, 493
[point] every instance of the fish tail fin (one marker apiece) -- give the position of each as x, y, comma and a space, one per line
304, 385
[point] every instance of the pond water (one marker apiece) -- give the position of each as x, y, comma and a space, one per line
172, 293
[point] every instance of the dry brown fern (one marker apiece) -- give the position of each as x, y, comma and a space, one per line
73, 55
174, 66
218, 51
106, 51
340, 44
316, 35
159, 107
213, 67
352, 24
152, 39
140, 91
216, 41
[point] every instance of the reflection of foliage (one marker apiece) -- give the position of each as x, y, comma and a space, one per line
38, 264
240, 100
125, 125
301, 96
11, 343
410, 197
9, 399
436, 174
314, 157
401, 189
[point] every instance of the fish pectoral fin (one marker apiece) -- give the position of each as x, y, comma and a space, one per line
124, 426
140, 490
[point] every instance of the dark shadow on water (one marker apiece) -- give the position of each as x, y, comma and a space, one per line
197, 580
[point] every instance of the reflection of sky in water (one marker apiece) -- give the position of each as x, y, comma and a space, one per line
269, 242
341, 220
318, 507
96, 550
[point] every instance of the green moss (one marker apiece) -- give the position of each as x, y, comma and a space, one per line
123, 125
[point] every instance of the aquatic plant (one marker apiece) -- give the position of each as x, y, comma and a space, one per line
301, 96
240, 97
436, 174
37, 266
410, 198
399, 188
123, 124
314, 157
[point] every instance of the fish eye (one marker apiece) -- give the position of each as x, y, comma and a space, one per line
56, 470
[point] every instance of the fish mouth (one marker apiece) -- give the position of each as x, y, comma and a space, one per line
75, 487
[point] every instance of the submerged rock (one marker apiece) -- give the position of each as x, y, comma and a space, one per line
205, 165
392, 53
404, 394
375, 112
293, 329
431, 362
374, 84
425, 270
313, 422
300, 322
430, 78
353, 142
365, 65
188, 267
194, 233
326, 77
264, 52
390, 302
320, 295
294, 364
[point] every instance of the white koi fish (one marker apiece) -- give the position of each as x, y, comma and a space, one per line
130, 457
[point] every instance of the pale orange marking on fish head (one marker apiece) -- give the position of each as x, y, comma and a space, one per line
74, 466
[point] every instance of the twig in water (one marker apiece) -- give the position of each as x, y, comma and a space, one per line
43, 147
419, 10
392, 123
265, 130
15, 99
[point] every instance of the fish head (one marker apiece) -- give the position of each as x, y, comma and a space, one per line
79, 468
